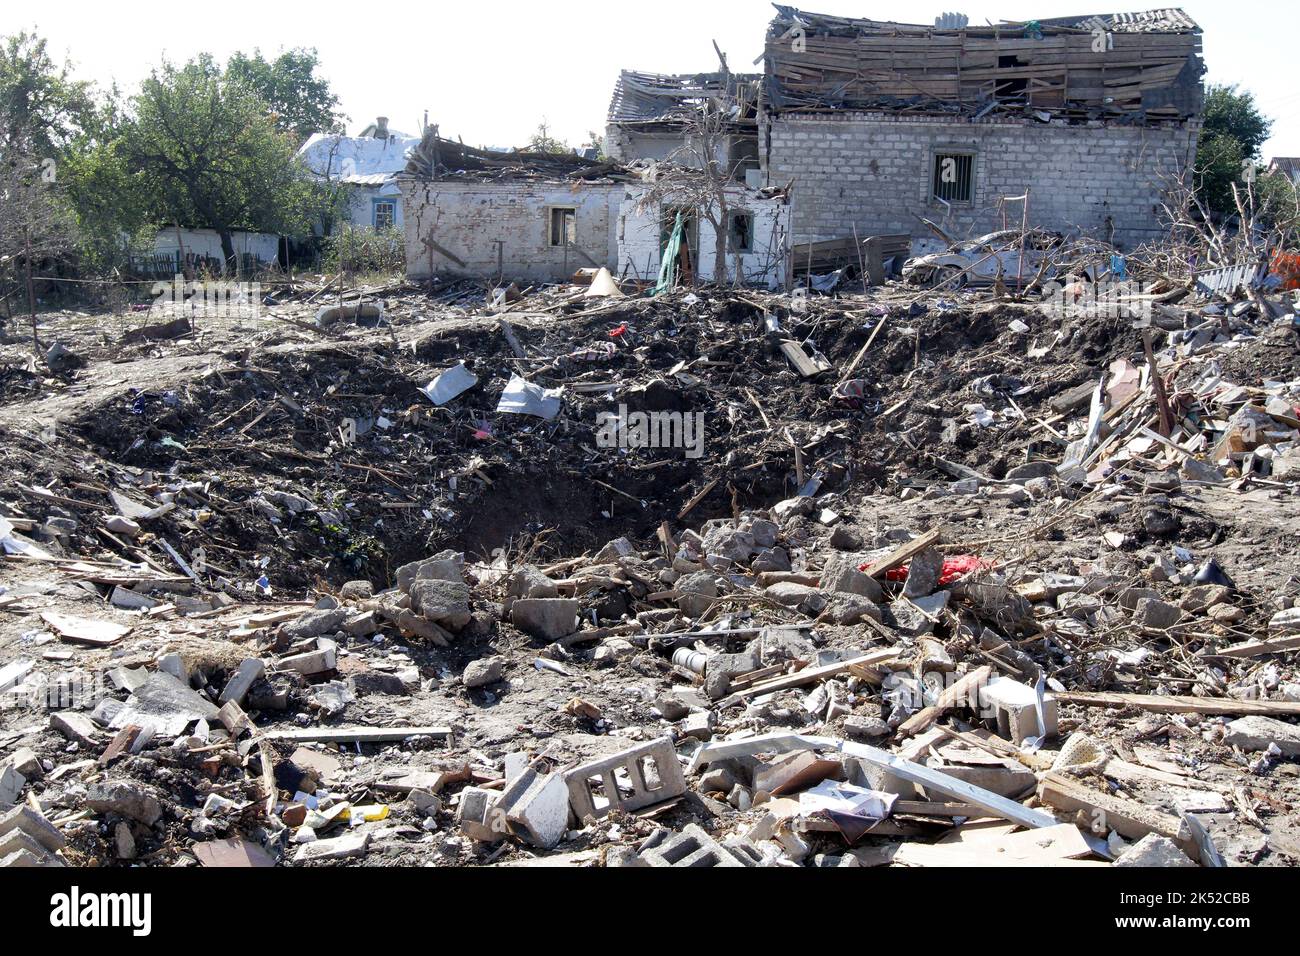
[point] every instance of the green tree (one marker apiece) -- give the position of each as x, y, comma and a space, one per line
108, 199
41, 106
301, 102
209, 155
1233, 132
543, 142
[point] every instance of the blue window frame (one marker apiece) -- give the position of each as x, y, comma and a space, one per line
383, 213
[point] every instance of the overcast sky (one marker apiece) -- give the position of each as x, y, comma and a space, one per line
491, 70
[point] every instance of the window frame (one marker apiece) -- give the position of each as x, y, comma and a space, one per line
375, 203
732, 215
550, 226
937, 155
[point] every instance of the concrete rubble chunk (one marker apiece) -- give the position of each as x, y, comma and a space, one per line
125, 799
78, 727
1154, 850
446, 603
806, 599
484, 671
923, 574
527, 581
546, 618
249, 672
12, 783
315, 624
842, 573
1254, 734
445, 566
1156, 615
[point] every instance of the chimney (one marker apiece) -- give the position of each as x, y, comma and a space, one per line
381, 127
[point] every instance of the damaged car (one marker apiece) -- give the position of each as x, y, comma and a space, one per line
1001, 256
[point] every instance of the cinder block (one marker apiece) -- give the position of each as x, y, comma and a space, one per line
1014, 707
692, 848
667, 768
35, 825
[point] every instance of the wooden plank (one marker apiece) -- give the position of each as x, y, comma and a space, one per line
1128, 818
933, 780
1048, 846
1213, 706
810, 675
80, 630
355, 735
952, 696
1259, 648
900, 556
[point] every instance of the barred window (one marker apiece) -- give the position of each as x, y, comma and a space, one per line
954, 177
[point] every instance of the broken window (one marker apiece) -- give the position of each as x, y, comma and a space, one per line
954, 177
1012, 87
385, 213
564, 226
741, 237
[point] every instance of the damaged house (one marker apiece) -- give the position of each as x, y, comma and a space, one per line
363, 167
882, 124
649, 118
543, 216
522, 215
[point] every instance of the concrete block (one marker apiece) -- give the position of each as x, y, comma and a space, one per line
1014, 707
547, 618
26, 820
320, 661
25, 858
542, 810
690, 849
476, 817
338, 848
631, 790
249, 672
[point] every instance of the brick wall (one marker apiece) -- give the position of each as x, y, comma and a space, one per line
765, 265
874, 171
468, 219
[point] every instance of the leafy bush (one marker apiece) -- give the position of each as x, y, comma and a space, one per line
362, 249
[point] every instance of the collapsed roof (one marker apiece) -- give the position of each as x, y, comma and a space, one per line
1135, 67
660, 98
444, 159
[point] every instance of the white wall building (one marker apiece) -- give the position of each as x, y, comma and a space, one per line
366, 165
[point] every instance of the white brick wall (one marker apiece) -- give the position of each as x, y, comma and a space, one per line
468, 219
638, 241
873, 171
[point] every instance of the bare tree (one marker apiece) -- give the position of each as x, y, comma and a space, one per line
697, 175
34, 223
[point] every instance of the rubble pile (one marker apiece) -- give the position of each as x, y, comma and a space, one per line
953, 581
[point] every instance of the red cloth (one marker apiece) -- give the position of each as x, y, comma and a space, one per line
954, 568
